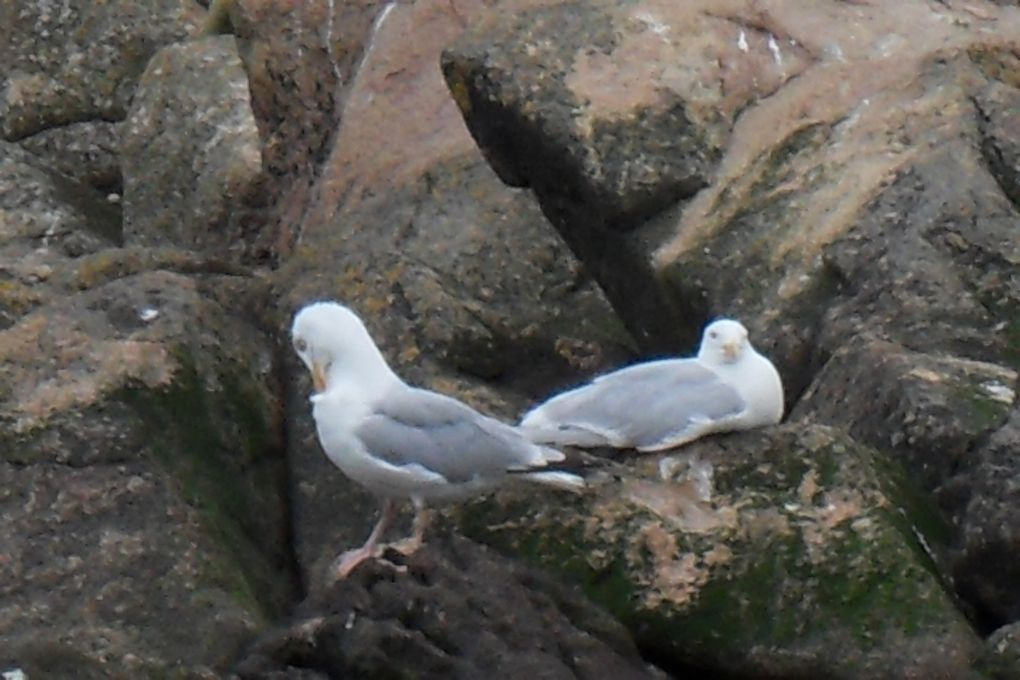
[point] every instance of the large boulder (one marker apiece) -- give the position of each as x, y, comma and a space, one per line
855, 186
139, 428
191, 154
794, 552
88, 152
47, 221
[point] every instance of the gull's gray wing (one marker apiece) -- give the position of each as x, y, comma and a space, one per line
647, 406
418, 427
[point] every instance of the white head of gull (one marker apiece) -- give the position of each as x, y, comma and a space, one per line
398, 441
663, 404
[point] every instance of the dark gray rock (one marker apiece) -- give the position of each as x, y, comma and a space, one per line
48, 220
983, 500
445, 614
1002, 653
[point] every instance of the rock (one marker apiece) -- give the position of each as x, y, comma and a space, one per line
444, 615
139, 429
459, 279
48, 219
613, 112
983, 500
301, 61
789, 552
191, 153
66, 63
87, 152
915, 403
999, 120
1001, 660
858, 187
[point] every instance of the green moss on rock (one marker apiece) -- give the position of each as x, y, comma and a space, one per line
215, 443
806, 558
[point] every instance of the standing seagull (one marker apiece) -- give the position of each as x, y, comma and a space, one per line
399, 441
662, 404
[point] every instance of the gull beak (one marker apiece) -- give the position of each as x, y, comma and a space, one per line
318, 377
730, 350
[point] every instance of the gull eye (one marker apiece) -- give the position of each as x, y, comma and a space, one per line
713, 335
300, 345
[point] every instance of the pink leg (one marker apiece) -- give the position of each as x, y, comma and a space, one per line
422, 518
345, 563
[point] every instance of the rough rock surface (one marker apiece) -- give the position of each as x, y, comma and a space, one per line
87, 152
1002, 653
47, 219
458, 277
757, 554
444, 614
856, 180
191, 153
138, 430
301, 61
69, 62
139, 425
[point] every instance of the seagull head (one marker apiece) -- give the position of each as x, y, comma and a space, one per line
723, 342
332, 341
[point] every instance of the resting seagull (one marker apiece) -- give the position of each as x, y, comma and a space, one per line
399, 441
662, 404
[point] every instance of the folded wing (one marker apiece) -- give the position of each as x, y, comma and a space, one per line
418, 428
650, 406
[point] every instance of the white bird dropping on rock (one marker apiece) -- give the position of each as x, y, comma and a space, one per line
662, 404
399, 441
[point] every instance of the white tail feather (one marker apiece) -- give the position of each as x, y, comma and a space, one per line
561, 480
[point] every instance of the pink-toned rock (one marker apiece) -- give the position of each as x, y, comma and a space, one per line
301, 58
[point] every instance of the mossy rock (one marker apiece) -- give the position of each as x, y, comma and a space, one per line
806, 557
143, 415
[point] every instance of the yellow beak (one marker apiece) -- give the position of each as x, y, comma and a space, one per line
318, 378
730, 349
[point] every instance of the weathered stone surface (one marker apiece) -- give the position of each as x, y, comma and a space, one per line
872, 194
982, 498
45, 220
458, 277
932, 411
63, 63
613, 112
191, 153
301, 61
783, 553
445, 615
139, 429
87, 152
585, 91
950, 420
1002, 653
